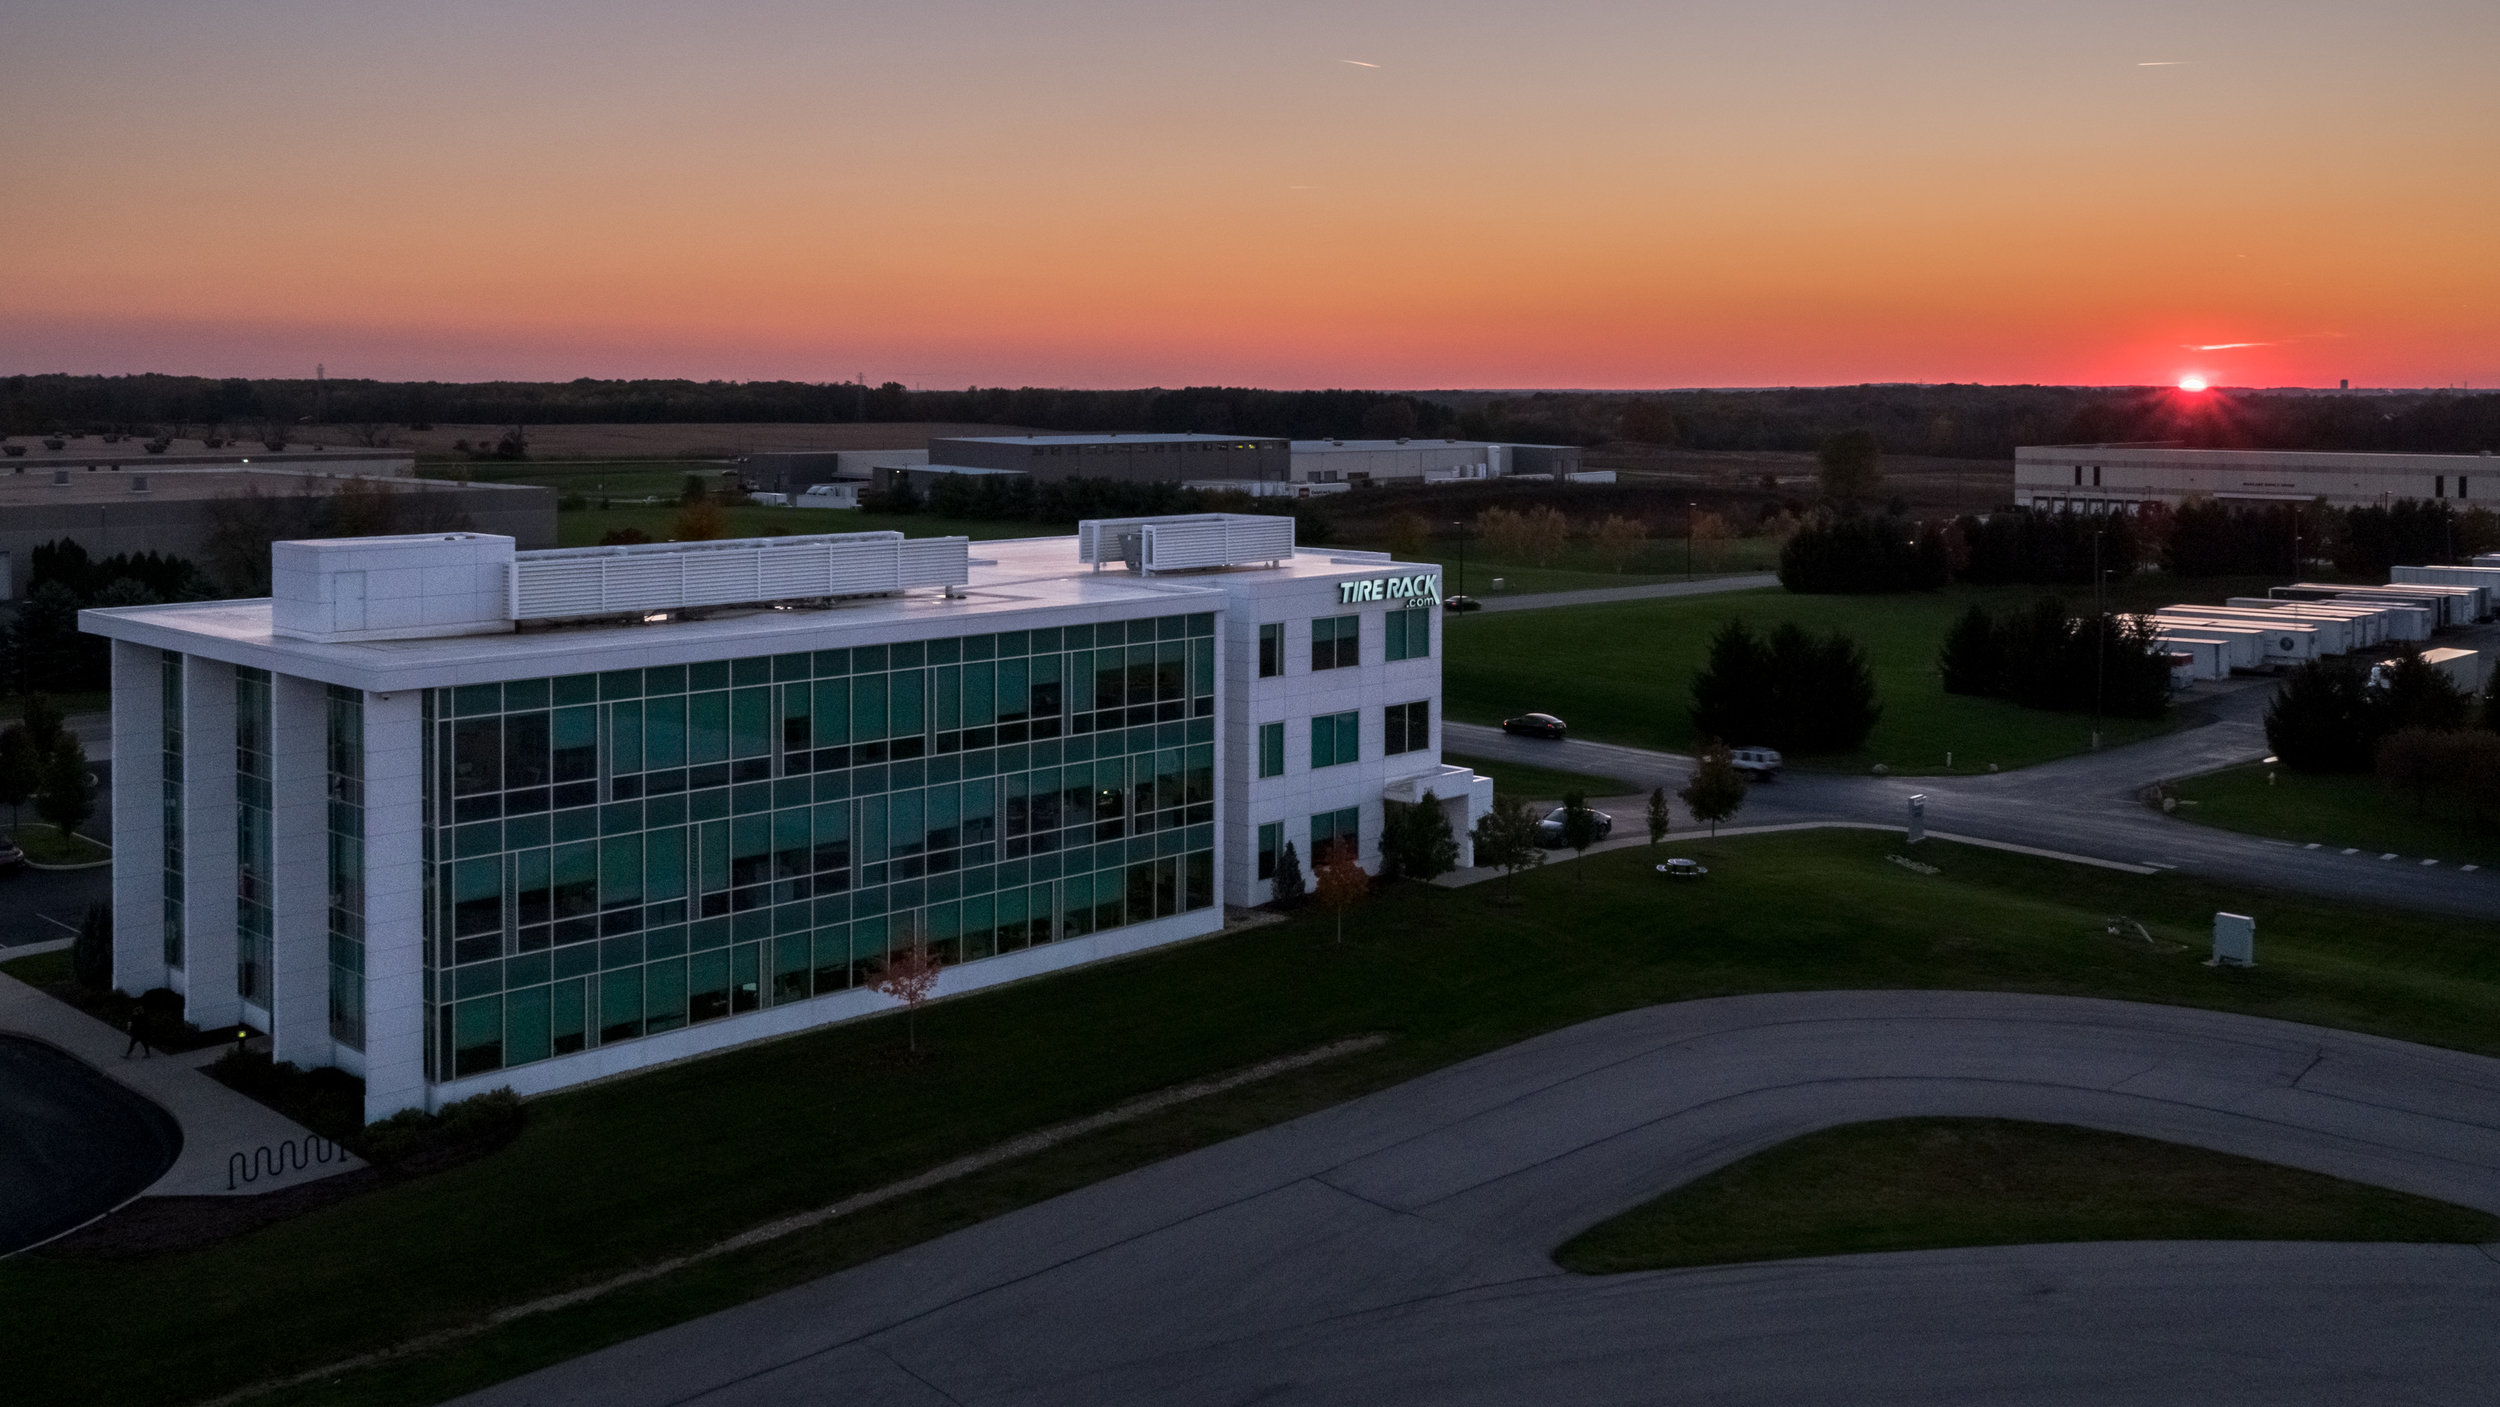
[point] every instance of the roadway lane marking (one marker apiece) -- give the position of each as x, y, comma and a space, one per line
2352, 849
2430, 862
2312, 845
2390, 855
68, 928
2156, 864
2469, 869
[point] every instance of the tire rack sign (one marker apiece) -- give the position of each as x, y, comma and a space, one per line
1422, 590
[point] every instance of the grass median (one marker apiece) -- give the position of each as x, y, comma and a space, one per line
1931, 1183
1528, 781
621, 1174
2335, 812
1623, 673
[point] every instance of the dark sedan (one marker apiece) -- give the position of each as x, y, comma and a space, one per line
1534, 725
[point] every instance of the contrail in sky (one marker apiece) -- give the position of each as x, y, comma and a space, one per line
2222, 346
1358, 63
2164, 63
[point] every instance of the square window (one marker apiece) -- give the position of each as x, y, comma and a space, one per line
1409, 634
1271, 650
1337, 738
1336, 642
1407, 727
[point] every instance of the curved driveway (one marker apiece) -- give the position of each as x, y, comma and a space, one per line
1395, 1249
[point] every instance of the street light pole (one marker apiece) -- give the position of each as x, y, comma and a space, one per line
2100, 638
1689, 510
1461, 525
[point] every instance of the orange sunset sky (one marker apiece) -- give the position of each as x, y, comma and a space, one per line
1589, 193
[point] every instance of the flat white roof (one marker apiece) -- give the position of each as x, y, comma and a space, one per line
1015, 584
1116, 437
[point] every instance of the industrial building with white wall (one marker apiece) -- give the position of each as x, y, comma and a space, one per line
2126, 478
452, 816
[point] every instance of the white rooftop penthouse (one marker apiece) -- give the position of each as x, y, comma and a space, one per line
452, 816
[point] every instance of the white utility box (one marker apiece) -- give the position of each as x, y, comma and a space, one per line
2235, 940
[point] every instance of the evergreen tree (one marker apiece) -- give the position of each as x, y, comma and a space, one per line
1289, 888
1732, 694
1506, 838
1659, 816
1972, 661
2321, 720
1579, 823
2413, 694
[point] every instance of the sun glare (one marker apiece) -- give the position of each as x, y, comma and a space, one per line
2191, 383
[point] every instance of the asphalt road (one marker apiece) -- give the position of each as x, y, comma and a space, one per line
1396, 1249
2085, 805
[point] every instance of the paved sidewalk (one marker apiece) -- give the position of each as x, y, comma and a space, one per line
1602, 595
217, 1123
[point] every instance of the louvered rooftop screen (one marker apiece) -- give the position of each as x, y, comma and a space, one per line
667, 576
1183, 543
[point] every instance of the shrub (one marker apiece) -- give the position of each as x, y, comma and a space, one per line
1972, 660
1290, 890
413, 1140
1415, 841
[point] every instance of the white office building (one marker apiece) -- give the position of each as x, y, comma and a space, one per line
2126, 478
452, 816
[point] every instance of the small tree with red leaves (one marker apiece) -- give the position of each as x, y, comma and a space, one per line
1341, 884
909, 976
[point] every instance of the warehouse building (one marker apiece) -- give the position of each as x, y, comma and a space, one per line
1168, 459
453, 816
2127, 478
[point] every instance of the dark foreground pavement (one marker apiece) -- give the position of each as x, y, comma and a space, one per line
1396, 1249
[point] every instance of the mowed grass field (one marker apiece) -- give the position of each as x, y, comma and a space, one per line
624, 1173
1623, 673
2362, 812
584, 527
1577, 568
1924, 1183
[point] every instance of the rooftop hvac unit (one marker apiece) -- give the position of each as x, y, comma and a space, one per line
666, 576
1184, 543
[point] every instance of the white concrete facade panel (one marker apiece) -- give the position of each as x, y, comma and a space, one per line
138, 816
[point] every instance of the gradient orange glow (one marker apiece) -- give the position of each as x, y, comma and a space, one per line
1592, 193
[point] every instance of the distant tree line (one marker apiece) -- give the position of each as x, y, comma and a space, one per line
1790, 689
1970, 422
2044, 658
42, 649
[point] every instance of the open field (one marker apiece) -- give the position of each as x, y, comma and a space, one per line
1623, 673
1931, 1183
2336, 811
717, 440
583, 527
655, 1165
1576, 568
1726, 480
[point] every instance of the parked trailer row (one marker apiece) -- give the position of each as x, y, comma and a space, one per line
2486, 580
2372, 622
2279, 640
2448, 605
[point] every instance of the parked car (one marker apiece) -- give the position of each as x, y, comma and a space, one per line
1682, 869
1462, 603
1759, 764
1549, 832
1534, 725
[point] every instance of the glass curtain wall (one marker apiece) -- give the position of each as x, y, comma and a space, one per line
620, 855
346, 709
252, 869
170, 684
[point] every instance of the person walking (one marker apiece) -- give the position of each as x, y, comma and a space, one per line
137, 1026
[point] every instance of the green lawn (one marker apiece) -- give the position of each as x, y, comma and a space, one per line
592, 478
1623, 673
583, 527
1922, 1184
1527, 782
2335, 811
621, 1173
45, 845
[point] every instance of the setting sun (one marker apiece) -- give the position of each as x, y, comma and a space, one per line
2191, 383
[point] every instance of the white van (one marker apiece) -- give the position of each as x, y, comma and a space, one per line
1761, 764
